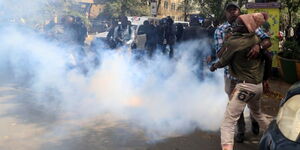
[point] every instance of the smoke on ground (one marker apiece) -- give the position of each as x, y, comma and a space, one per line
163, 97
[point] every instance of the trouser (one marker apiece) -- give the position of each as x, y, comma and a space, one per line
229, 86
162, 48
242, 95
150, 49
171, 53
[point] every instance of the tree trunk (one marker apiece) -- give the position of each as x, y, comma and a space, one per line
186, 6
158, 5
290, 17
124, 7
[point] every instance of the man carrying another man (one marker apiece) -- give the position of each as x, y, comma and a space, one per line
232, 11
248, 74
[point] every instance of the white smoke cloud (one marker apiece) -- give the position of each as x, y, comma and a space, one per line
162, 97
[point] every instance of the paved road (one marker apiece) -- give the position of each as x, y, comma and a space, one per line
28, 126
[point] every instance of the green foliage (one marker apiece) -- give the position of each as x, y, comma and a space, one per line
291, 49
187, 6
117, 8
63, 7
290, 8
212, 7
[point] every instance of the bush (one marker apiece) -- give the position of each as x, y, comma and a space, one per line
291, 49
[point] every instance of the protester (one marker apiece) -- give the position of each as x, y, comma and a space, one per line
197, 33
81, 31
232, 11
179, 32
70, 32
161, 33
170, 35
151, 37
247, 72
124, 33
110, 36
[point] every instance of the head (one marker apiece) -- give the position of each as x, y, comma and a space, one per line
232, 11
239, 26
68, 20
146, 22
169, 20
250, 21
124, 21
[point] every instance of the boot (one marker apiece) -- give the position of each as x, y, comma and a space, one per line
239, 138
254, 127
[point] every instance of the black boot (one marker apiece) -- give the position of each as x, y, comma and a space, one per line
255, 127
239, 138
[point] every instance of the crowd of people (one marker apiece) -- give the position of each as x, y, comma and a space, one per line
239, 45
163, 36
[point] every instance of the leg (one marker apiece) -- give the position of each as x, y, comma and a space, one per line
233, 111
255, 110
255, 105
254, 125
171, 51
241, 129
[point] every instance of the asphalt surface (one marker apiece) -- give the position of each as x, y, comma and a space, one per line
26, 126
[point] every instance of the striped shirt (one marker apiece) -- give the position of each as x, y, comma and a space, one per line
219, 36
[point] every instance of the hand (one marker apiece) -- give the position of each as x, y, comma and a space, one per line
212, 68
208, 59
266, 87
253, 53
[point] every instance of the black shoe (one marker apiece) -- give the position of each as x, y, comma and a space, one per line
255, 128
240, 137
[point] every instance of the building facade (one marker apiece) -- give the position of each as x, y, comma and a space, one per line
169, 8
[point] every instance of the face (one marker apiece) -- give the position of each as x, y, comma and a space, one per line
239, 26
232, 13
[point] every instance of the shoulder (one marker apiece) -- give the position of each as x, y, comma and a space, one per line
221, 28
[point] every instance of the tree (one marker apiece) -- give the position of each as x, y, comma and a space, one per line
116, 8
187, 6
292, 7
212, 8
158, 5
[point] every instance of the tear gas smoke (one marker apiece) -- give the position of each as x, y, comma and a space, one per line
160, 96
